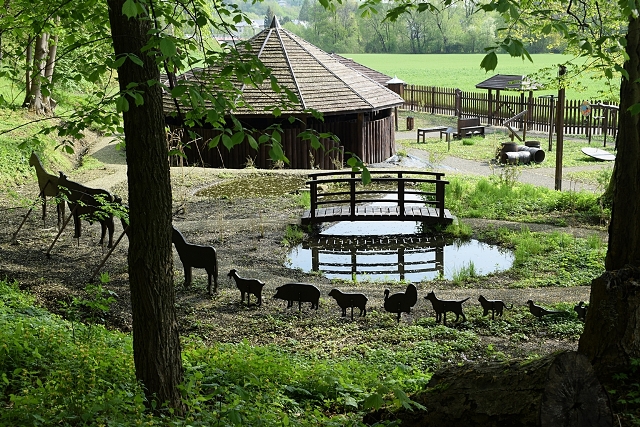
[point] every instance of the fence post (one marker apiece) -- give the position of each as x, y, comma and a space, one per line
440, 196
400, 195
313, 190
352, 195
433, 99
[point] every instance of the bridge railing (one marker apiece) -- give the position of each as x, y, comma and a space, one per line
407, 189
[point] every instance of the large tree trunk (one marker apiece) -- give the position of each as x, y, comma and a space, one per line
156, 343
556, 390
611, 334
624, 229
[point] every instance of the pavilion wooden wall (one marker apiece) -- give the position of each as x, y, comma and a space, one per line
377, 145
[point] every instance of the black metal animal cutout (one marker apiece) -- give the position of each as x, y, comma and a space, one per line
89, 203
538, 311
301, 292
581, 310
350, 300
494, 305
198, 256
401, 302
248, 286
48, 184
442, 306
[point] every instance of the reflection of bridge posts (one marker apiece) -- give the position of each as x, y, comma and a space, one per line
352, 252
440, 260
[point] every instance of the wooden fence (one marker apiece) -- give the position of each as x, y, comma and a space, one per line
495, 109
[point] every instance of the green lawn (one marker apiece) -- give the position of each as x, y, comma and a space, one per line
463, 71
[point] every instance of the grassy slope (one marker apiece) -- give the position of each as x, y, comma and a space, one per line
463, 70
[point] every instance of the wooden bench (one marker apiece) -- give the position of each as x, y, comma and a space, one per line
423, 131
469, 127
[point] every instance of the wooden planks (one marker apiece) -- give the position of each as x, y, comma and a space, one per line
377, 213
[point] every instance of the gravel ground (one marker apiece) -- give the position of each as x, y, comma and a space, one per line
247, 234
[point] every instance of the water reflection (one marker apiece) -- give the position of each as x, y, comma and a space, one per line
393, 251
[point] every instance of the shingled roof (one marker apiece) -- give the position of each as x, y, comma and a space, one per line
508, 82
320, 81
374, 75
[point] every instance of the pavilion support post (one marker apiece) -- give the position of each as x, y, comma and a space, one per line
560, 129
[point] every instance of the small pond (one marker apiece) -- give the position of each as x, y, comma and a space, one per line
393, 250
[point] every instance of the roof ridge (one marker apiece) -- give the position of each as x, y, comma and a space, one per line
264, 43
293, 74
322, 64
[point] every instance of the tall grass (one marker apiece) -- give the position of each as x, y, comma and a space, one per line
493, 198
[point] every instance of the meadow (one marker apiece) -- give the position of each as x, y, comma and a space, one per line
463, 71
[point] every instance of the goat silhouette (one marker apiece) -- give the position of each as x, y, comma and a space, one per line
198, 256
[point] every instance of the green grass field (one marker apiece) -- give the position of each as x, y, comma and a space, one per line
463, 71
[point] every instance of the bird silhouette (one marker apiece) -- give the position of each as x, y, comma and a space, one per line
538, 311
401, 302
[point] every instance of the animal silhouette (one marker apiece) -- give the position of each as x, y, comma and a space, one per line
89, 203
495, 306
198, 256
301, 292
442, 306
48, 184
350, 300
581, 310
538, 311
248, 286
401, 302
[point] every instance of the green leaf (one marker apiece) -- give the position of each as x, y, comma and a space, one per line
374, 401
122, 105
237, 138
252, 142
490, 61
350, 401
366, 175
135, 59
634, 109
130, 9
227, 142
315, 142
213, 142
168, 47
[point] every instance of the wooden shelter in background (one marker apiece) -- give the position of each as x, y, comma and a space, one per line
357, 109
508, 82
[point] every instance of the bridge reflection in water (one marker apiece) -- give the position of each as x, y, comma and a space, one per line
411, 257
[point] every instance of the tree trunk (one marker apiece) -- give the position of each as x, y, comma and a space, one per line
611, 334
48, 102
556, 390
624, 229
27, 72
156, 343
34, 97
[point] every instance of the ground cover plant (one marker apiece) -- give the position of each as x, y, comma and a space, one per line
463, 71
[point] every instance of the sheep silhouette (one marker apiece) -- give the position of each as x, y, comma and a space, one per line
401, 302
350, 300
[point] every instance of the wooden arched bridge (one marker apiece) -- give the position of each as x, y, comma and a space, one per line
391, 196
